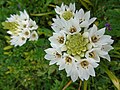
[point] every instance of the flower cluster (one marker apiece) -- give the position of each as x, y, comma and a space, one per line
21, 28
77, 44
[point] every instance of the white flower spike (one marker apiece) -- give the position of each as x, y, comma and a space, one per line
20, 28
76, 47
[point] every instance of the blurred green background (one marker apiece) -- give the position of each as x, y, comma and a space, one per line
24, 68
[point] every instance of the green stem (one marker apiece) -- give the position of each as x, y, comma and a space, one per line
85, 85
80, 85
42, 14
51, 5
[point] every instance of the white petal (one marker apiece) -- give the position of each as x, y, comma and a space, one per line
74, 75
90, 70
93, 63
72, 7
106, 57
49, 57
50, 50
87, 15
81, 12
68, 68
85, 74
92, 20
100, 32
107, 48
52, 62
93, 30
84, 24
61, 67
106, 39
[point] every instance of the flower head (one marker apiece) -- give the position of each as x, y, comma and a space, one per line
66, 12
77, 47
20, 28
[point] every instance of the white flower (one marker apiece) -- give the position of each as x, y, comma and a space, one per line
58, 39
58, 25
84, 18
60, 10
68, 63
71, 7
86, 68
33, 36
54, 55
18, 40
32, 25
97, 37
98, 52
95, 54
21, 26
72, 26
63, 8
65, 11
26, 33
24, 16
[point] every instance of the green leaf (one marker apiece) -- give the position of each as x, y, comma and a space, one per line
84, 4
45, 31
88, 1
113, 78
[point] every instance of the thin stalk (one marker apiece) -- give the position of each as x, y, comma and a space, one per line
85, 85
80, 85
42, 14
51, 5
67, 85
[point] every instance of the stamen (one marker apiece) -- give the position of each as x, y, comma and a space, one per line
84, 64
94, 39
61, 40
73, 29
68, 60
33, 35
92, 54
26, 33
23, 38
58, 55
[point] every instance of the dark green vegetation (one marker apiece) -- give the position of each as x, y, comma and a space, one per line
24, 68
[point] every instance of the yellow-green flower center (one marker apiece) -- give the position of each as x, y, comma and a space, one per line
12, 26
67, 15
76, 45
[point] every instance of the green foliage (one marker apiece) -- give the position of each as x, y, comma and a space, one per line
24, 68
